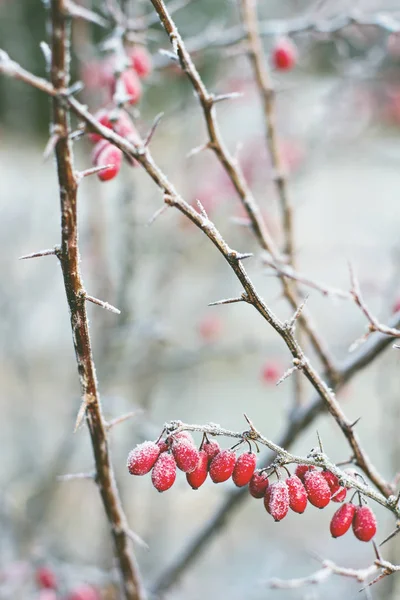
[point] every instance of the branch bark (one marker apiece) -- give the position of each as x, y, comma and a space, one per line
68, 255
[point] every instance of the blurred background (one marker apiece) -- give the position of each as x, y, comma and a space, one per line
168, 355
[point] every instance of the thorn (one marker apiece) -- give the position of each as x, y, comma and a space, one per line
390, 536
202, 209
241, 298
45, 48
223, 97
122, 418
354, 423
242, 222
154, 126
80, 415
136, 539
291, 323
396, 346
72, 476
359, 341
243, 255
103, 304
157, 214
75, 88
376, 550
50, 146
289, 372
92, 171
50, 252
169, 54
320, 442
197, 150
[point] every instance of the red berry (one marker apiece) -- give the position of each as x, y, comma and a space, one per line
162, 444
301, 470
109, 155
271, 372
244, 469
211, 448
103, 116
210, 328
297, 494
45, 578
186, 454
163, 474
141, 61
342, 519
222, 465
317, 489
258, 484
142, 458
184, 435
84, 592
340, 495
97, 149
364, 524
284, 55
276, 500
132, 86
197, 477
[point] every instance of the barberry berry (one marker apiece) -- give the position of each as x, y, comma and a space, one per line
338, 492
84, 592
364, 524
186, 454
244, 469
258, 484
142, 458
163, 474
222, 465
211, 448
340, 495
45, 578
276, 500
140, 61
342, 519
162, 444
103, 116
108, 155
284, 55
297, 494
132, 86
197, 477
271, 372
317, 489
301, 470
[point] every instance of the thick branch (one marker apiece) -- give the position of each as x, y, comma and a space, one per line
68, 255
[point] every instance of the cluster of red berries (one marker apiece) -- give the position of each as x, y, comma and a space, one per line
307, 484
48, 585
105, 153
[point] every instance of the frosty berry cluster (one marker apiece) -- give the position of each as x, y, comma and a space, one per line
307, 485
114, 118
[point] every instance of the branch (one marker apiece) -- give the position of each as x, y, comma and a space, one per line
328, 569
69, 258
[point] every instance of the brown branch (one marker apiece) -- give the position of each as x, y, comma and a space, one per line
68, 255
267, 95
234, 172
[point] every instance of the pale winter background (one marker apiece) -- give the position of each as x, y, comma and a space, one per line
170, 355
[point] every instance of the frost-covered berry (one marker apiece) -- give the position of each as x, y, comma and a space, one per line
222, 465
84, 592
131, 84
244, 469
276, 500
186, 454
317, 489
284, 55
142, 458
197, 477
301, 470
103, 116
140, 61
258, 484
162, 444
163, 474
45, 578
107, 155
364, 524
339, 495
297, 494
211, 448
342, 519
184, 435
